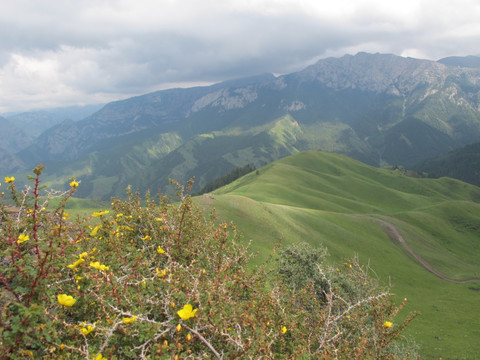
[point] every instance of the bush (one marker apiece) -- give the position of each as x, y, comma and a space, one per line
155, 279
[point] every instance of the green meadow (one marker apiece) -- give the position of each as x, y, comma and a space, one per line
331, 200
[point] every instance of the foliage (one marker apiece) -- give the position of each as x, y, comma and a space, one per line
153, 279
228, 178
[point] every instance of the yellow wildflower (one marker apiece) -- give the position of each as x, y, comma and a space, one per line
87, 330
187, 312
74, 184
119, 215
76, 263
146, 238
160, 250
9, 179
189, 337
99, 357
99, 266
100, 213
66, 300
22, 238
179, 327
95, 230
159, 219
129, 320
387, 324
284, 329
83, 255
161, 273
125, 227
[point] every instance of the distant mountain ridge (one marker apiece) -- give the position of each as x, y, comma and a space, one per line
462, 164
35, 122
462, 61
381, 109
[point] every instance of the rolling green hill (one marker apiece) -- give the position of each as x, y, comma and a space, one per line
421, 235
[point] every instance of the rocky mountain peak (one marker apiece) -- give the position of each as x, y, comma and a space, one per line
377, 72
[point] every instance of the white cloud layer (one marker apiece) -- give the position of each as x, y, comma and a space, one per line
65, 52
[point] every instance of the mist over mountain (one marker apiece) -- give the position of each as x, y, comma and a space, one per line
378, 108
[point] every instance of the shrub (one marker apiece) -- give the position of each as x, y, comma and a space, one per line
155, 279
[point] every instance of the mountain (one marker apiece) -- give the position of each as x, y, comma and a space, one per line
36, 122
420, 235
12, 140
378, 108
462, 164
462, 61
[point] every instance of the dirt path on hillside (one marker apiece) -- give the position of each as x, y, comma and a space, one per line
396, 238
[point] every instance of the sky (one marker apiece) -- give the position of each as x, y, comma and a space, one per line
57, 53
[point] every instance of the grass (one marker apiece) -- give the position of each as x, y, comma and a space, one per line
333, 201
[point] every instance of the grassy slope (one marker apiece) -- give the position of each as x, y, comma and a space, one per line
329, 199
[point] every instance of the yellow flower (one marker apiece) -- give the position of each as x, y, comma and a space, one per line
83, 255
284, 329
66, 300
95, 230
22, 238
74, 184
99, 357
100, 213
129, 320
187, 312
146, 238
161, 273
179, 327
9, 179
160, 250
387, 324
76, 263
189, 337
159, 219
99, 266
87, 330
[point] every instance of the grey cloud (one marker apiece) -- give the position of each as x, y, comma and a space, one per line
105, 48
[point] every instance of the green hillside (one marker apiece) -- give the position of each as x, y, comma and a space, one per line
421, 235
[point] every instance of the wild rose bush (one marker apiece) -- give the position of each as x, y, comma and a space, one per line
155, 279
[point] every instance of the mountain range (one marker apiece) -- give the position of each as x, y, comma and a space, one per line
381, 109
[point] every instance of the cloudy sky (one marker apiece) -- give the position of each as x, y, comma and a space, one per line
66, 52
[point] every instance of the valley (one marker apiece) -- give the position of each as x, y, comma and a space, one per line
331, 145
406, 230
